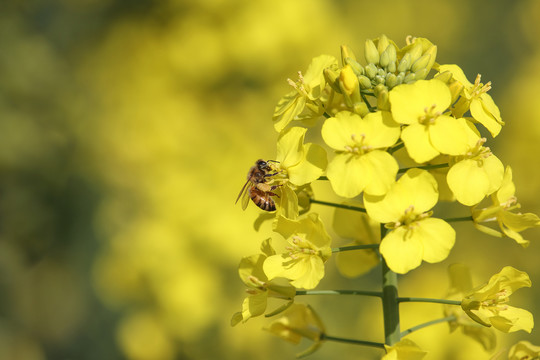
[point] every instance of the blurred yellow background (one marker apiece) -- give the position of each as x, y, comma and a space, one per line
126, 132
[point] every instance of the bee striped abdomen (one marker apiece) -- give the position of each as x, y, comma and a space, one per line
262, 199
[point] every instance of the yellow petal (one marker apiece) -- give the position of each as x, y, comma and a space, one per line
417, 142
468, 182
513, 319
507, 189
254, 305
290, 147
336, 131
401, 251
290, 106
457, 73
437, 237
383, 168
310, 167
409, 101
449, 135
348, 174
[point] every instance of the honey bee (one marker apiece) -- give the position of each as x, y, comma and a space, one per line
257, 187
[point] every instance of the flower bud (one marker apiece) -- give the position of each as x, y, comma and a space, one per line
346, 53
421, 63
421, 74
391, 80
433, 52
415, 51
365, 82
370, 52
383, 102
392, 67
445, 77
405, 63
382, 44
348, 81
357, 68
409, 78
332, 77
371, 71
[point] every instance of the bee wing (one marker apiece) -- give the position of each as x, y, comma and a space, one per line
246, 197
242, 191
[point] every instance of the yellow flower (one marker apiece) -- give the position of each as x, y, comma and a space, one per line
404, 350
487, 304
510, 223
461, 284
474, 97
307, 90
361, 164
297, 164
524, 350
299, 321
303, 263
259, 287
475, 174
414, 235
429, 133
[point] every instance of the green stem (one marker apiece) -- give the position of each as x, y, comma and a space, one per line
352, 341
426, 324
429, 300
425, 167
339, 292
355, 247
395, 148
456, 219
341, 206
390, 301
370, 108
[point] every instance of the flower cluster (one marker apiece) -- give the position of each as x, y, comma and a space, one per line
393, 132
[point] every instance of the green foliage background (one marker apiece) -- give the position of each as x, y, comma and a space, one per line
126, 131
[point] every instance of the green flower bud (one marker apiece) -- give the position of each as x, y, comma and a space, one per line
357, 68
445, 77
391, 80
405, 63
433, 52
382, 44
421, 63
392, 67
379, 79
385, 59
409, 78
392, 53
421, 74
332, 77
400, 77
383, 102
346, 53
371, 71
370, 52
365, 82
361, 109
415, 51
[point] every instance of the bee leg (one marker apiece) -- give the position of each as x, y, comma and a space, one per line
272, 194
272, 174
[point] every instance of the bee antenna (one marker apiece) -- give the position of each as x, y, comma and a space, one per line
272, 161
